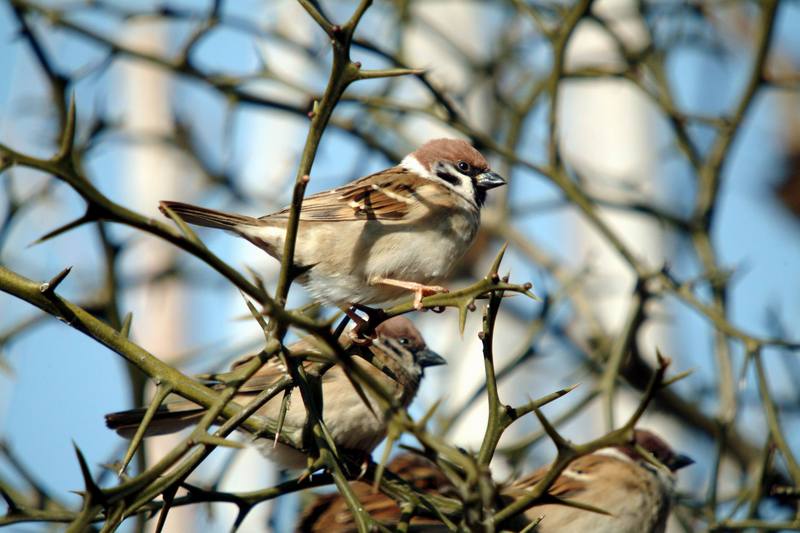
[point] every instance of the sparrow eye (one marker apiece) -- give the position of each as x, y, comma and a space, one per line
403, 340
464, 167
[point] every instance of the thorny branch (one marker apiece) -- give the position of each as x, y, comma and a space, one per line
370, 118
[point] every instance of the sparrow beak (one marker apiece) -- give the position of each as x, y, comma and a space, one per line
490, 180
679, 461
427, 357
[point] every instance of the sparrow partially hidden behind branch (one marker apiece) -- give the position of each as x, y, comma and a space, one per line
398, 350
375, 239
636, 494
330, 514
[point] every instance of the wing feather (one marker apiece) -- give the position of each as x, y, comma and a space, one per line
386, 195
565, 485
273, 370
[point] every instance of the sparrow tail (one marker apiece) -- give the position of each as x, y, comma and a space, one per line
169, 418
209, 218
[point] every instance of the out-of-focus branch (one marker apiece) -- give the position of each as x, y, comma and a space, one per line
521, 134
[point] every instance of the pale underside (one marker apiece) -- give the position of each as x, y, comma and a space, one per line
363, 427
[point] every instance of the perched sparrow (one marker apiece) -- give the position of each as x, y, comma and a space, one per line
636, 494
329, 513
374, 239
618, 480
398, 349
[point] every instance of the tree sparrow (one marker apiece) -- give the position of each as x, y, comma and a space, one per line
398, 350
330, 514
618, 480
374, 239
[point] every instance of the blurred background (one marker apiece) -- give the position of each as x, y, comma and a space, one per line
656, 136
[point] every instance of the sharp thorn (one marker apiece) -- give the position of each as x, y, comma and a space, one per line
49, 287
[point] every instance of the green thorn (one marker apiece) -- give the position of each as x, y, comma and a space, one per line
429, 413
92, 490
49, 287
555, 436
387, 449
575, 504
85, 218
125, 329
12, 505
462, 318
282, 414
533, 525
68, 139
496, 263
677, 377
187, 232
257, 316
244, 509
162, 391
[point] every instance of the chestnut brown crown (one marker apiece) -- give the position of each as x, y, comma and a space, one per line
450, 150
658, 448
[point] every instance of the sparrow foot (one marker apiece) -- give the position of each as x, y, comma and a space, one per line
305, 474
357, 463
420, 290
364, 330
357, 338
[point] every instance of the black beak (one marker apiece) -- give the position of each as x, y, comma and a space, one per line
490, 180
427, 357
679, 461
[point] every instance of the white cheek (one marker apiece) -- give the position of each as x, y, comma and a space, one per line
411, 163
466, 187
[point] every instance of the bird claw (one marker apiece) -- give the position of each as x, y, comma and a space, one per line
364, 467
358, 338
306, 474
420, 290
426, 290
364, 331
357, 463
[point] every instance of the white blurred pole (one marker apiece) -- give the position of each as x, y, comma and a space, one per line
464, 23
153, 174
273, 144
608, 133
459, 21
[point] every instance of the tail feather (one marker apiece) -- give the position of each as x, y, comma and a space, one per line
209, 218
168, 418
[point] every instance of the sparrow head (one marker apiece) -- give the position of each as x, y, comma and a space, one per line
658, 448
401, 340
456, 164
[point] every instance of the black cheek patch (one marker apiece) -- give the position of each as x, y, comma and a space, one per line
449, 178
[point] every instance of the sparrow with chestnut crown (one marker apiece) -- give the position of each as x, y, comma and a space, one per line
375, 239
636, 494
395, 359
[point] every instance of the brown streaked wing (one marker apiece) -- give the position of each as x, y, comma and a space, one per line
273, 370
563, 486
386, 195
266, 376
